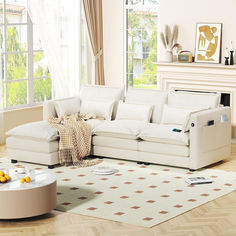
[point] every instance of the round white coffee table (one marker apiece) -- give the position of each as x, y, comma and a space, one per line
29, 199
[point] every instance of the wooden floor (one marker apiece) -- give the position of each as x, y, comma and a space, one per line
217, 217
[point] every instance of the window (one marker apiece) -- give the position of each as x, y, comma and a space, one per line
25, 75
141, 17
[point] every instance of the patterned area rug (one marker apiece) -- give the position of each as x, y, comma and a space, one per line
139, 195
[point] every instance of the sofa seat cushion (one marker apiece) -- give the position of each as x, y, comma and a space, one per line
121, 143
36, 130
163, 148
128, 129
34, 145
164, 134
33, 157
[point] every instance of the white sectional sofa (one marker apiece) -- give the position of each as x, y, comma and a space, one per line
184, 129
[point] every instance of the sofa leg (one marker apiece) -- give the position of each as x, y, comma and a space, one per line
13, 161
139, 162
146, 163
51, 167
192, 170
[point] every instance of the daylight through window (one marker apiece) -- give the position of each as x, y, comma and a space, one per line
25, 75
141, 17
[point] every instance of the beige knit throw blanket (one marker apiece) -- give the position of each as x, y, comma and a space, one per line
75, 138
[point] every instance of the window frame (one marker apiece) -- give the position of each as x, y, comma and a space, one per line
126, 7
30, 61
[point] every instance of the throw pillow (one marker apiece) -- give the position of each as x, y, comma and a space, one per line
178, 116
67, 106
128, 111
102, 109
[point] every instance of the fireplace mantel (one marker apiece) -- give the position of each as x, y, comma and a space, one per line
200, 77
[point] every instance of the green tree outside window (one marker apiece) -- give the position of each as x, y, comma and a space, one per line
17, 70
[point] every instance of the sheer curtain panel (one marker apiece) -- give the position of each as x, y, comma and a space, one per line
58, 22
93, 16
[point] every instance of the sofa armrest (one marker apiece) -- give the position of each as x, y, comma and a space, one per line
210, 136
202, 118
49, 109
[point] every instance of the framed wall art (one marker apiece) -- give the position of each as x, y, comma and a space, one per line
208, 42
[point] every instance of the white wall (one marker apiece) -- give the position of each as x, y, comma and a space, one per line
113, 42
185, 13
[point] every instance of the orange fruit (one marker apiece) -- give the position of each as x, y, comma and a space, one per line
2, 173
27, 179
3, 179
22, 180
7, 177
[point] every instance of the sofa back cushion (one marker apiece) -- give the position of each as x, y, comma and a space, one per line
102, 109
88, 93
156, 98
102, 93
173, 115
131, 111
186, 99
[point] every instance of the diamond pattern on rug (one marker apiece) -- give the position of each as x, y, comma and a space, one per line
108, 202
139, 195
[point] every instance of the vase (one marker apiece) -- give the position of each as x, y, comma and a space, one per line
168, 56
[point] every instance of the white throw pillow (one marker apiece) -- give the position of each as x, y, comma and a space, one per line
102, 109
38, 130
67, 106
173, 115
102, 93
128, 111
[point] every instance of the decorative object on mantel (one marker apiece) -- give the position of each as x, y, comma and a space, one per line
226, 56
177, 48
185, 56
169, 40
208, 42
232, 53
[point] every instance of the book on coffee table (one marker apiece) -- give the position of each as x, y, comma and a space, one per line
198, 180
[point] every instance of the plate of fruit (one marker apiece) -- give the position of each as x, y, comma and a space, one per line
4, 178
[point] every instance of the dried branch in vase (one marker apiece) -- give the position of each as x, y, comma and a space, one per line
169, 39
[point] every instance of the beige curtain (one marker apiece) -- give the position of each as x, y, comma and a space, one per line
93, 16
